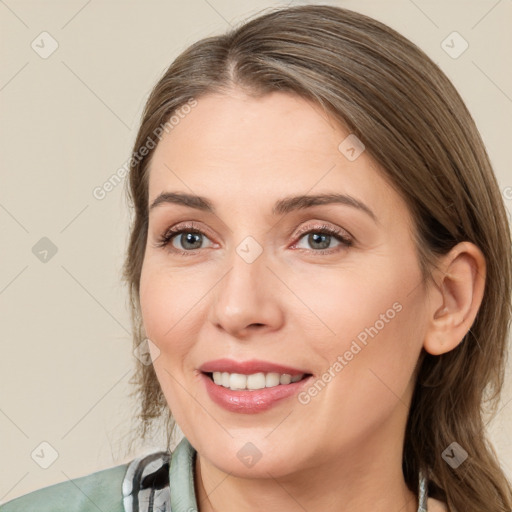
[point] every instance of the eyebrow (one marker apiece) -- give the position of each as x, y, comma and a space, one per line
281, 207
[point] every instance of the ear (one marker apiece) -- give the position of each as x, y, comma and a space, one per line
455, 297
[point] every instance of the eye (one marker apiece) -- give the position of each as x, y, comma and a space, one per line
189, 237
320, 238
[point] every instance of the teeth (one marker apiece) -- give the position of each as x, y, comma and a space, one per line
237, 381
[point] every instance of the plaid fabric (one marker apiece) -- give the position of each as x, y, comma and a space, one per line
146, 484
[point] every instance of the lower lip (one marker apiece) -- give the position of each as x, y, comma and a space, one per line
251, 402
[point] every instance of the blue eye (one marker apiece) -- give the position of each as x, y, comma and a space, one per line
322, 238
189, 235
191, 238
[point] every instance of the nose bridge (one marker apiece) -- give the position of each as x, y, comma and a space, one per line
243, 297
245, 280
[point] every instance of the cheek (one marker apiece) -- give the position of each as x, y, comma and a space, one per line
167, 310
380, 341
152, 302
163, 301
368, 318
370, 358
172, 301
337, 306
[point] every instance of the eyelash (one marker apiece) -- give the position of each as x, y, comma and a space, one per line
166, 238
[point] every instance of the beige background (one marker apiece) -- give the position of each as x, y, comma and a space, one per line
67, 124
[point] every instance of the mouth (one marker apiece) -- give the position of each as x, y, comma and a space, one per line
255, 381
249, 393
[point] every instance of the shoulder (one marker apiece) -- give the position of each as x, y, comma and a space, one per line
137, 485
97, 491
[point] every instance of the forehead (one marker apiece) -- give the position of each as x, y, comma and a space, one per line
238, 127
236, 148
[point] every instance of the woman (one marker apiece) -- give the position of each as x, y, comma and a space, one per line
329, 337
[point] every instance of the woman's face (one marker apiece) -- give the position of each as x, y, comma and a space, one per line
259, 284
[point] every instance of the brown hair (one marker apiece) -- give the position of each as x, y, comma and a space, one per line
385, 90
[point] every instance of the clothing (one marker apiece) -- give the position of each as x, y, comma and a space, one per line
158, 482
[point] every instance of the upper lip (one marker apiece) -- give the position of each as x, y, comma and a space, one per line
248, 367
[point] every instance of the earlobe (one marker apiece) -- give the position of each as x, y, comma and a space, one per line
455, 298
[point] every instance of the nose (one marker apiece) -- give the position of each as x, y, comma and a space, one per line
247, 299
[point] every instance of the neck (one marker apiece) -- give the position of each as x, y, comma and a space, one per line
366, 477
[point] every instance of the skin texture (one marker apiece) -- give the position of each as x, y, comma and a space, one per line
343, 450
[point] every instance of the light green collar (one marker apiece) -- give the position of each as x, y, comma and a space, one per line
181, 478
